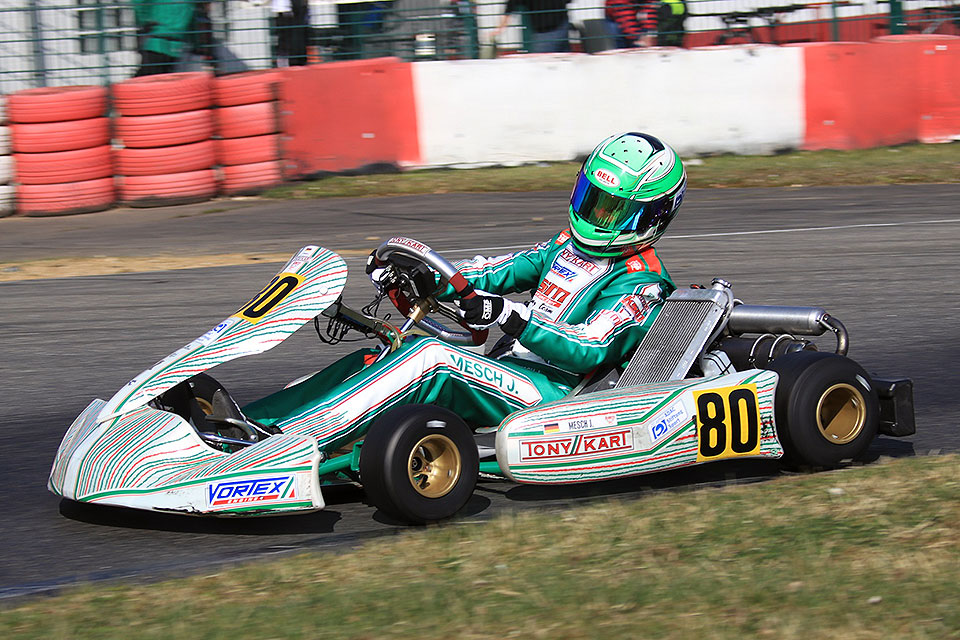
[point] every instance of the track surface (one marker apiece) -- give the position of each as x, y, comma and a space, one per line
882, 259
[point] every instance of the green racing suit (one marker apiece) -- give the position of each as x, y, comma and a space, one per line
585, 312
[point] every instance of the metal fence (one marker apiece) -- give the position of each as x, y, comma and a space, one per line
55, 42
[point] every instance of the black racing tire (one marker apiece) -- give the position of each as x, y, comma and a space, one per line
826, 408
419, 463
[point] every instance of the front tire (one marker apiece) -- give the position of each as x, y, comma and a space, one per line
826, 407
419, 463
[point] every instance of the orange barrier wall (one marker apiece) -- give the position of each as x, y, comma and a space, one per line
894, 90
935, 59
346, 115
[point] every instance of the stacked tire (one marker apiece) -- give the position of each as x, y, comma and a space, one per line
6, 164
164, 126
248, 131
60, 137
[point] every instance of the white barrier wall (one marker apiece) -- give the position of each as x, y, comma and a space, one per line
554, 107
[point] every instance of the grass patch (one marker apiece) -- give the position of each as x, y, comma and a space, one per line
872, 552
918, 163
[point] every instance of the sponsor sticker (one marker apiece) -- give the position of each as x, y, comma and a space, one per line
580, 445
563, 237
606, 178
234, 493
413, 244
637, 306
214, 333
678, 199
302, 257
564, 272
635, 265
583, 264
667, 421
588, 422
551, 293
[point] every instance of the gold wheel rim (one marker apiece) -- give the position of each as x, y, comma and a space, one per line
434, 466
205, 406
841, 413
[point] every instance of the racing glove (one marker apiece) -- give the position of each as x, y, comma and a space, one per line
485, 310
382, 276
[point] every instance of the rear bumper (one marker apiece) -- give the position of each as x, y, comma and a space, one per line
896, 406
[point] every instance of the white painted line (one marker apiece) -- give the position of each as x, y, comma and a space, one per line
831, 228
741, 233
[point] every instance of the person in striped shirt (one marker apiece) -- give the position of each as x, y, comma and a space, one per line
644, 23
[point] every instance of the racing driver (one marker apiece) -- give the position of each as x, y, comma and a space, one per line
596, 288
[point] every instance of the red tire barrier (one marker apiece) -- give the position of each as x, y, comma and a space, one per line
246, 88
160, 160
162, 93
65, 198
64, 166
233, 151
56, 104
241, 121
164, 130
251, 178
46, 137
167, 189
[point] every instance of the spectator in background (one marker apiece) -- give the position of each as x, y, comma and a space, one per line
547, 20
644, 23
163, 32
292, 31
670, 17
203, 51
359, 22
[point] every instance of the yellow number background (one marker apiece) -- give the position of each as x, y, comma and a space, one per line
715, 425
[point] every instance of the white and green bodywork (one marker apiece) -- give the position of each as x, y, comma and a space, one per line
635, 430
125, 452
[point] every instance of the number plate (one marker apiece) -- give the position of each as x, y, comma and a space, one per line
728, 422
269, 297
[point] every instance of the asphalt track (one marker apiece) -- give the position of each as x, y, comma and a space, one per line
882, 259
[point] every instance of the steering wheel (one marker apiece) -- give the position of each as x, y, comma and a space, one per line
409, 257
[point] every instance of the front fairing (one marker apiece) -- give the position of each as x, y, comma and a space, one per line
154, 460
306, 286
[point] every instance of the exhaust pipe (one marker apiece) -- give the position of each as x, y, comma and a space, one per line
804, 321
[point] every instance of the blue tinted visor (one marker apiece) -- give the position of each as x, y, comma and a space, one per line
613, 213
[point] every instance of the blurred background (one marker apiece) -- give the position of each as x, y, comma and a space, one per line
62, 42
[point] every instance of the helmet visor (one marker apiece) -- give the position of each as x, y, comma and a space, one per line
613, 213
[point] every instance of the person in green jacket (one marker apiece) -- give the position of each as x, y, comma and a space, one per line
164, 33
595, 289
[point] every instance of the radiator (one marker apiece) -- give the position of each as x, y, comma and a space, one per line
679, 334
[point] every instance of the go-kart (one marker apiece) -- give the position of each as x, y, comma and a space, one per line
713, 379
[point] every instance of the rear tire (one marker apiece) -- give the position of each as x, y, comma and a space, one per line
826, 408
419, 463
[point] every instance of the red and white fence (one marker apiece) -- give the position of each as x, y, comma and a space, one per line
187, 137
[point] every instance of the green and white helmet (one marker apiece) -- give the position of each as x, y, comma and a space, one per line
627, 192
